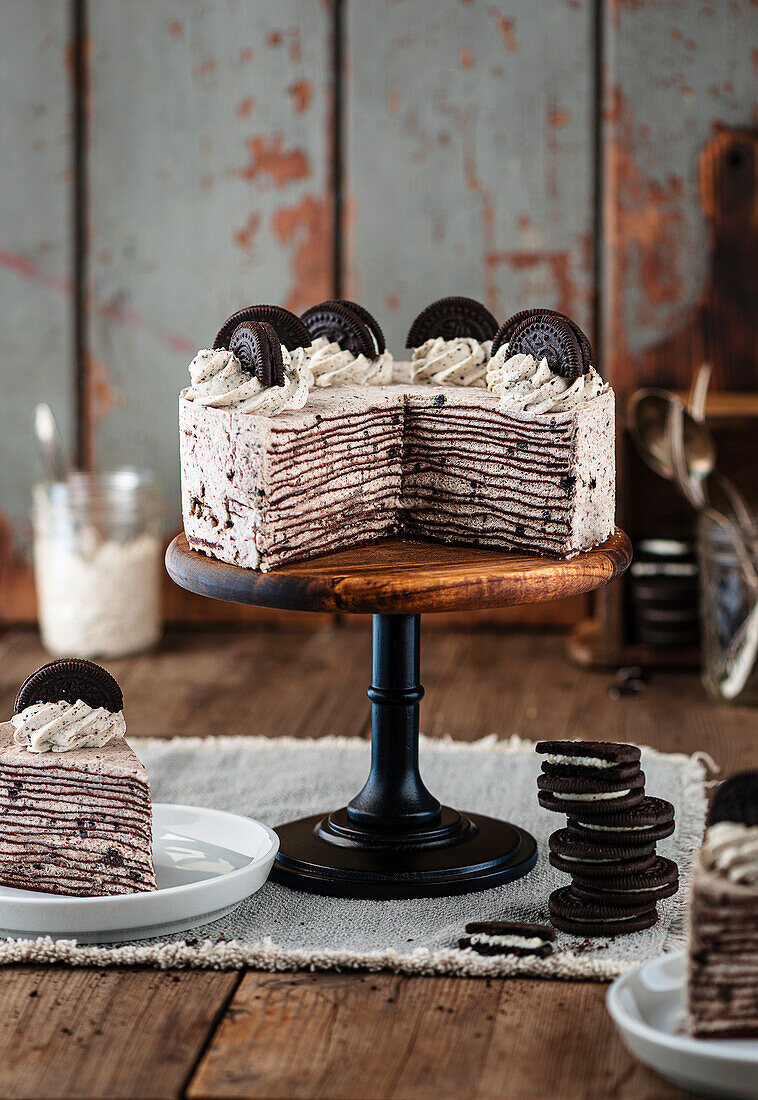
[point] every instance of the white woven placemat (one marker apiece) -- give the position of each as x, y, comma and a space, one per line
281, 929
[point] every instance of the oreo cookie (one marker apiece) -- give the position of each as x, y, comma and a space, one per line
579, 917
287, 325
589, 759
340, 324
659, 881
369, 321
582, 798
70, 679
452, 319
650, 820
259, 350
503, 937
597, 861
505, 333
736, 799
551, 338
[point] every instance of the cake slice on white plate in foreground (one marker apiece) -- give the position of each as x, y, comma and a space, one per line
74, 798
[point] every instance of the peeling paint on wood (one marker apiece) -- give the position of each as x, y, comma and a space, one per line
469, 157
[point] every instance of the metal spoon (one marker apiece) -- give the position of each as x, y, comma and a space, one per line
50, 443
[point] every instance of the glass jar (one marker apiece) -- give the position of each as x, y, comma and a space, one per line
728, 608
97, 556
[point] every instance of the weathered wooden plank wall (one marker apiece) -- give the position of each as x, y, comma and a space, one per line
35, 250
473, 131
470, 153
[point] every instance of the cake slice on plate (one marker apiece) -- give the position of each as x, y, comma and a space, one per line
74, 798
301, 436
722, 962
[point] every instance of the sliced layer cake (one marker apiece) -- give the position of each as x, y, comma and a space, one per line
291, 449
75, 800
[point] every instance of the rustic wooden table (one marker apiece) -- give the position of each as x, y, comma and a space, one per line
146, 1033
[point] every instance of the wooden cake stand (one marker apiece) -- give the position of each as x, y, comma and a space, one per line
394, 839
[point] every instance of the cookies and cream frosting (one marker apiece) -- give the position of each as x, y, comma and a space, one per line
459, 362
219, 381
528, 388
332, 365
731, 851
60, 727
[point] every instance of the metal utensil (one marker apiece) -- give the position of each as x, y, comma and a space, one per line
50, 443
647, 419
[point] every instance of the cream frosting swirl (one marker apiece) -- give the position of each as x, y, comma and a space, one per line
332, 365
60, 727
528, 388
731, 851
220, 382
459, 362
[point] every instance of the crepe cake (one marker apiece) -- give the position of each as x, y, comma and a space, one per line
74, 798
722, 958
301, 436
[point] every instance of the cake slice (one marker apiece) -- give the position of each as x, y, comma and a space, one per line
722, 962
74, 798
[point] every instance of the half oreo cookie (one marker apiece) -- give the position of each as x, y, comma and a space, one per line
451, 319
597, 861
259, 350
573, 914
370, 322
287, 325
650, 820
70, 679
340, 324
503, 937
552, 339
582, 798
505, 333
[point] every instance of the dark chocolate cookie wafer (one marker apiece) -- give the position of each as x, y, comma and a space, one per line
590, 759
70, 679
585, 918
650, 820
582, 798
553, 339
340, 324
257, 346
369, 321
452, 318
507, 329
288, 326
736, 799
597, 861
660, 880
503, 937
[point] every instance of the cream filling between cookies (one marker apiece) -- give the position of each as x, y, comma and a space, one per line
507, 941
60, 727
580, 761
604, 920
588, 859
596, 796
618, 828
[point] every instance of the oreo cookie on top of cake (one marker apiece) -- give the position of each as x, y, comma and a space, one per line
722, 958
74, 798
301, 435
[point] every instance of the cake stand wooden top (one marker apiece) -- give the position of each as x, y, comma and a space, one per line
401, 577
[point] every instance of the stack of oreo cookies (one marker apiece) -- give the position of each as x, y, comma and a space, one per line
609, 843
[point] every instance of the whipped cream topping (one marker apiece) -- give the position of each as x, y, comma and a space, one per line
508, 941
332, 365
60, 727
596, 796
528, 388
731, 850
460, 362
220, 382
579, 761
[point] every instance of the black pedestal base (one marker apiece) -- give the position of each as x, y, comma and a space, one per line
459, 854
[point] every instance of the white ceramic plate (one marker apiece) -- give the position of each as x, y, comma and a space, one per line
648, 1007
206, 862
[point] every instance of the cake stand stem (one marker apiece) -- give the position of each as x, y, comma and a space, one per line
394, 796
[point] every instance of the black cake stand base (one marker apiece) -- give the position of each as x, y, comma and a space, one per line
394, 839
